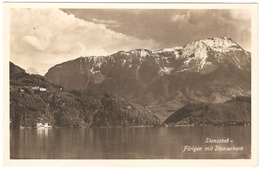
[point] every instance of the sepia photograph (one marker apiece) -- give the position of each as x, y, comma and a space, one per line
130, 82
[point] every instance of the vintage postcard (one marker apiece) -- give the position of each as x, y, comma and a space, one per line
130, 84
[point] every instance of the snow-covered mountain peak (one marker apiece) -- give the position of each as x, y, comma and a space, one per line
136, 52
197, 54
169, 49
194, 48
201, 56
222, 44
219, 45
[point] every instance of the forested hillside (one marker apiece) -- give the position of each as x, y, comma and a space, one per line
235, 111
61, 107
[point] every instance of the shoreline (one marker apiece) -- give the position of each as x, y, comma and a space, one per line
180, 125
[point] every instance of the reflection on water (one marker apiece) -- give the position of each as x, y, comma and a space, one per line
127, 143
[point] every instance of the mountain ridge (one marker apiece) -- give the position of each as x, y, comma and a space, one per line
211, 70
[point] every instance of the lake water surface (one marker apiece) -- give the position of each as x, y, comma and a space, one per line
129, 143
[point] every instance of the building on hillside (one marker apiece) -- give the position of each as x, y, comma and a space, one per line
20, 90
34, 87
43, 89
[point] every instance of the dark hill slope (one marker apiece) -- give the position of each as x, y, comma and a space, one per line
236, 111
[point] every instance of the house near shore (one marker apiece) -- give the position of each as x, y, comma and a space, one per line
41, 126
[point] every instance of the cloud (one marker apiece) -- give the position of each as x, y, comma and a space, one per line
104, 21
180, 17
41, 38
110, 23
200, 24
241, 14
35, 42
175, 27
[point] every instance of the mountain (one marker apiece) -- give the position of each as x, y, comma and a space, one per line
15, 70
32, 70
34, 99
235, 111
212, 70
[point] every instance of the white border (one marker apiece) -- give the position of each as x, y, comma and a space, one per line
129, 163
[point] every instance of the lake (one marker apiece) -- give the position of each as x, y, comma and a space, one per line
132, 143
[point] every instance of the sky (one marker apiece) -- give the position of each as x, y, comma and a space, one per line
42, 38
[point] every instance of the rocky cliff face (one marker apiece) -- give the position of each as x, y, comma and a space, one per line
210, 70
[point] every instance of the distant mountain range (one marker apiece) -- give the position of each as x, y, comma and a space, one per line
32, 70
213, 70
